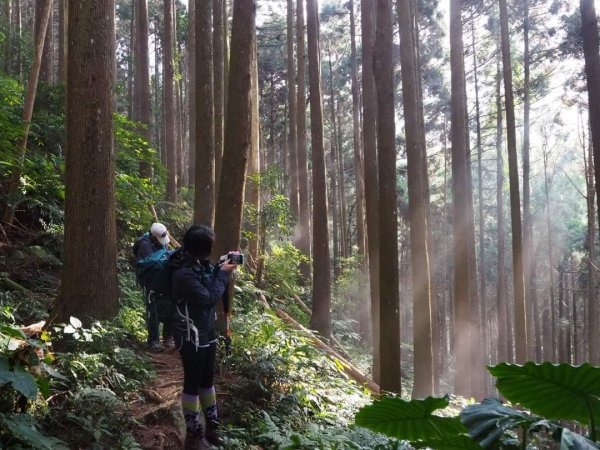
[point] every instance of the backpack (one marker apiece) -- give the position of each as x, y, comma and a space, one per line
154, 276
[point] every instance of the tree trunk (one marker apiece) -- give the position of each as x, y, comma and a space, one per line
130, 63
89, 284
141, 97
46, 67
589, 32
417, 191
371, 183
61, 41
321, 316
501, 316
364, 313
515, 202
8, 40
204, 192
238, 131
292, 121
15, 179
336, 177
304, 234
169, 95
388, 221
191, 48
460, 192
551, 340
593, 314
252, 192
219, 42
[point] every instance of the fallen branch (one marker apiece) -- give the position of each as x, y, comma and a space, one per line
348, 367
302, 305
13, 285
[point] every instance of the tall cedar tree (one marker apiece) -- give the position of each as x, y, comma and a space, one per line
142, 112
204, 192
359, 180
371, 184
292, 120
169, 101
191, 97
219, 40
515, 202
320, 319
8, 36
89, 277
592, 312
238, 131
8, 214
418, 190
388, 218
304, 234
460, 195
62, 4
589, 31
47, 60
501, 307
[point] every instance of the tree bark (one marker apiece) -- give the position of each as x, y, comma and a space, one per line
13, 186
238, 131
204, 192
521, 345
8, 40
359, 182
589, 32
292, 119
417, 192
304, 231
169, 95
593, 310
191, 48
47, 62
142, 112
551, 341
89, 280
388, 220
61, 41
219, 45
501, 316
371, 183
321, 317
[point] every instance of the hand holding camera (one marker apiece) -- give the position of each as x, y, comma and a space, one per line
231, 260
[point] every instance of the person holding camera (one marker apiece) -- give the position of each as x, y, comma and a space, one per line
197, 286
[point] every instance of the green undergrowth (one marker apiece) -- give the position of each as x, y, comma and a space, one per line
69, 386
283, 393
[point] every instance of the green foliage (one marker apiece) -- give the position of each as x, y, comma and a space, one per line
554, 391
98, 416
135, 194
410, 420
23, 429
282, 269
561, 392
286, 393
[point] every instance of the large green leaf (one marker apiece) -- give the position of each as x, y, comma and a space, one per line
24, 429
553, 391
410, 420
462, 442
489, 420
19, 378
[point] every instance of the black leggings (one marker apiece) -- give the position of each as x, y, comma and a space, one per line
198, 367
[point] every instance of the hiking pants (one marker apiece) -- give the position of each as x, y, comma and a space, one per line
198, 366
153, 322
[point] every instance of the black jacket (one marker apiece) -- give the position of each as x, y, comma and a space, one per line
196, 287
145, 246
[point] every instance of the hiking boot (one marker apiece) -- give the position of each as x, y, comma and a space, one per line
195, 441
212, 432
156, 347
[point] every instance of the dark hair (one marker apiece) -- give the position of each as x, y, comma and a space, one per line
198, 240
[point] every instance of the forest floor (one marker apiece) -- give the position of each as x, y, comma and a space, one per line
159, 415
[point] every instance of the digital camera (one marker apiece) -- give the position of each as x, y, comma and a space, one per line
233, 257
